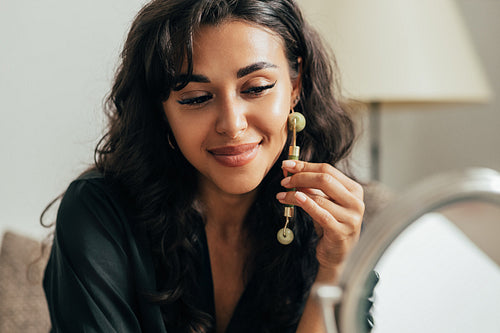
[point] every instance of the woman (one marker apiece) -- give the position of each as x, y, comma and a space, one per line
174, 228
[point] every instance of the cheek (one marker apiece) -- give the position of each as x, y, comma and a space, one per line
188, 132
277, 118
189, 135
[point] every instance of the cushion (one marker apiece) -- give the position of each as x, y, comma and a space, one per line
23, 307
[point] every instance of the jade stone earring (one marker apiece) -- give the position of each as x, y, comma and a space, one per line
296, 123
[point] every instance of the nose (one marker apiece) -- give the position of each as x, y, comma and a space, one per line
231, 119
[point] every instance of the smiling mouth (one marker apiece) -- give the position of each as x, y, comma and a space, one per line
235, 156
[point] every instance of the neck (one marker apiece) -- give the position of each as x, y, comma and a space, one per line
225, 213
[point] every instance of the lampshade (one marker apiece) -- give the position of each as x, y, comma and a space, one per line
401, 50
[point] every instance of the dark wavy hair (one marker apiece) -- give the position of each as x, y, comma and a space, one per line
161, 185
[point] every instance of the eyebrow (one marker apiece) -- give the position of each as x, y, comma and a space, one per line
183, 79
253, 68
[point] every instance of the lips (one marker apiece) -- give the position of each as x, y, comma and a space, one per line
234, 156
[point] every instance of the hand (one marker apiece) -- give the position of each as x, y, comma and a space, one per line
334, 202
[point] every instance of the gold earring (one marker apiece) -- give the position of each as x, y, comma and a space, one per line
296, 123
170, 142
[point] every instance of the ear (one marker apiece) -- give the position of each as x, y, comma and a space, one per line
297, 84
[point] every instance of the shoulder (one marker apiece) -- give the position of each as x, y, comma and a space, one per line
89, 185
91, 211
91, 194
90, 191
98, 266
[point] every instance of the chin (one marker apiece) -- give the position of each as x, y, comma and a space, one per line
239, 186
239, 189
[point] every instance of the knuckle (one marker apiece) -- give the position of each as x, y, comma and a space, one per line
301, 165
325, 178
324, 218
358, 189
354, 220
359, 205
350, 222
325, 168
362, 206
355, 202
321, 201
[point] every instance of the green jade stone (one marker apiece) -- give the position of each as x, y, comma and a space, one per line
300, 121
285, 239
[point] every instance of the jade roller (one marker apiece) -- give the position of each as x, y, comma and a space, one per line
296, 123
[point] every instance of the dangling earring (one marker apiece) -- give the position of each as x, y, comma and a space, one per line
170, 142
296, 123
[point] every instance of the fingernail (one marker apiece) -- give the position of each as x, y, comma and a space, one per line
281, 195
301, 197
289, 164
285, 181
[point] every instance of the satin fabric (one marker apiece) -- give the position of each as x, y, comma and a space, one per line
100, 267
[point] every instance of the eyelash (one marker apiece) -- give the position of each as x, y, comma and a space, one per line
259, 90
256, 91
195, 100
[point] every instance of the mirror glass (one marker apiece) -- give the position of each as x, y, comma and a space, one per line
442, 273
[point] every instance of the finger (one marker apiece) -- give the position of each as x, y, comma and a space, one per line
329, 225
341, 214
326, 184
313, 191
348, 217
294, 166
321, 216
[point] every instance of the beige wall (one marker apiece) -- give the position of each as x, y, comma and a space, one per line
420, 140
56, 63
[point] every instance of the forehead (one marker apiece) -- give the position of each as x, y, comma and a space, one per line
236, 42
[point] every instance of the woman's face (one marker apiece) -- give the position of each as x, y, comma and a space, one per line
230, 121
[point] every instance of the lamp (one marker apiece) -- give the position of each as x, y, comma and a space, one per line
400, 51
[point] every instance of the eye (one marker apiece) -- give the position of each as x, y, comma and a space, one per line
195, 100
256, 91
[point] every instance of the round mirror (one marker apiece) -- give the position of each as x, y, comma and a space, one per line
437, 254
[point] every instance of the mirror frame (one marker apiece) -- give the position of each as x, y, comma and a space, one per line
431, 194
